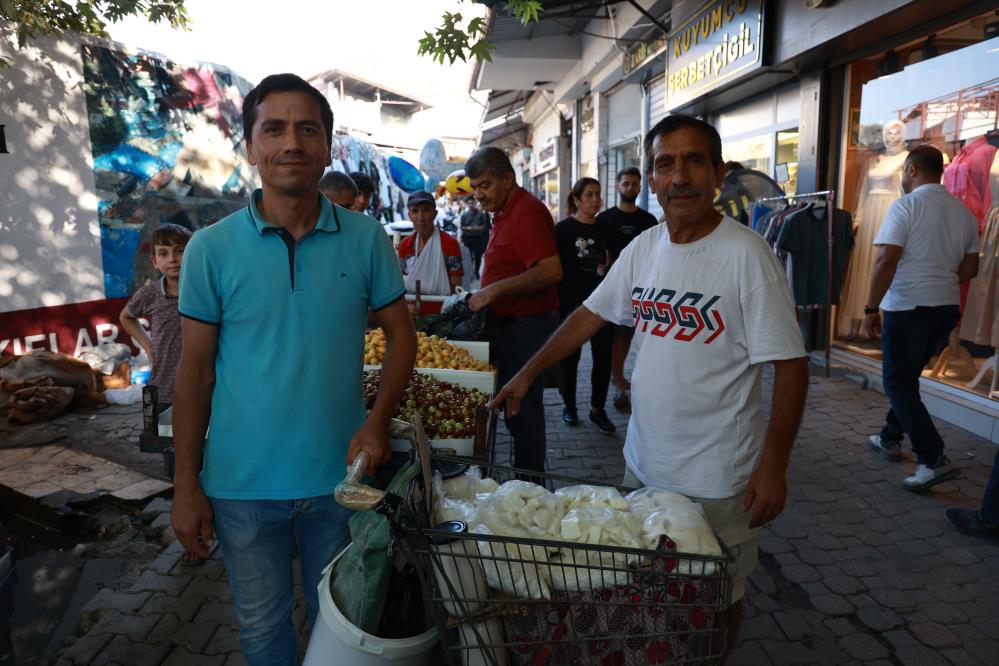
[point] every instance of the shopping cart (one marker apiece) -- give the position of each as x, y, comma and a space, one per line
562, 602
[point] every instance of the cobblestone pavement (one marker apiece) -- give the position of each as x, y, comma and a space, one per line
855, 571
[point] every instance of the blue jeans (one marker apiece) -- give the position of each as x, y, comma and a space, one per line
990, 503
909, 338
258, 540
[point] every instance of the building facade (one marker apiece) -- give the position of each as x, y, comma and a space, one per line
820, 97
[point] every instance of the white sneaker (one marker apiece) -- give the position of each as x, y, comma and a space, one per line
926, 476
891, 451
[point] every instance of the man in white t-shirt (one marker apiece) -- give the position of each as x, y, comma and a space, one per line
710, 305
928, 245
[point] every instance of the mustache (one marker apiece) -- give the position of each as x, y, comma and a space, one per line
291, 157
682, 191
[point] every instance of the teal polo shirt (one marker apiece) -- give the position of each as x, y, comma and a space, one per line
291, 317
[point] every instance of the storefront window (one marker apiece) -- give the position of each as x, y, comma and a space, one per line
786, 163
941, 90
754, 152
545, 187
618, 157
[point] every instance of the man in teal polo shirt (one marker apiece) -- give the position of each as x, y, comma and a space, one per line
274, 300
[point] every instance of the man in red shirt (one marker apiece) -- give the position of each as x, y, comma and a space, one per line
429, 255
519, 284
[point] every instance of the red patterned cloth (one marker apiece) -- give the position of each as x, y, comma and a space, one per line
660, 617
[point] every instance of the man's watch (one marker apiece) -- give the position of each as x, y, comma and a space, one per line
869, 310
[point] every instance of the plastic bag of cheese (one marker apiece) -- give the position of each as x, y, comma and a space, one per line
517, 569
592, 496
521, 509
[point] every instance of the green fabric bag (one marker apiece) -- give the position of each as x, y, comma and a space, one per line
361, 577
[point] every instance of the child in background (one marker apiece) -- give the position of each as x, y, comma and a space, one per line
157, 302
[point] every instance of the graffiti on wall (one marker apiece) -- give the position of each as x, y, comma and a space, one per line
167, 146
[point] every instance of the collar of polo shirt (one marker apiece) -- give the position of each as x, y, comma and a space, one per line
329, 220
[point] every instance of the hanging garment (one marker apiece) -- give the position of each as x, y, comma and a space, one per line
967, 178
429, 267
980, 323
882, 186
806, 239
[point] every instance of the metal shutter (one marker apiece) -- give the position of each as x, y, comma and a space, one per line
657, 111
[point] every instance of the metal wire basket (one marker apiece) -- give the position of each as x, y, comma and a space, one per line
563, 602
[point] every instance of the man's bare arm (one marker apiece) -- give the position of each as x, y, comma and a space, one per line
543, 274
397, 367
192, 514
570, 336
968, 268
882, 275
133, 327
767, 490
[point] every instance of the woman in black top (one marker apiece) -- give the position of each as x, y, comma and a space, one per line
584, 250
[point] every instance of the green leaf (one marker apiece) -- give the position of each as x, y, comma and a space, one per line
526, 10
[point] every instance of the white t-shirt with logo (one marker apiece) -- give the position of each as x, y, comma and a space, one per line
935, 232
706, 315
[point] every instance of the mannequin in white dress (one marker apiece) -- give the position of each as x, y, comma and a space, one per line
882, 186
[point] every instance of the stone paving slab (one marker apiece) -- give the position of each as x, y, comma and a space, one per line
855, 571
44, 470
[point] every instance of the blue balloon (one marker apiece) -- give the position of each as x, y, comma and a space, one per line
433, 159
406, 176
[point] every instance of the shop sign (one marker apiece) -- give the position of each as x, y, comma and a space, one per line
646, 51
720, 41
545, 158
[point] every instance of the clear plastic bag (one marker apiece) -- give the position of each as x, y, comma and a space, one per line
646, 500
521, 509
451, 508
689, 529
595, 496
514, 568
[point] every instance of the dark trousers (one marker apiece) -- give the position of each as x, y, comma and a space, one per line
476, 248
518, 340
600, 352
909, 338
990, 503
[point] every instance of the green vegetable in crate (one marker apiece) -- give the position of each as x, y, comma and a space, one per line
447, 410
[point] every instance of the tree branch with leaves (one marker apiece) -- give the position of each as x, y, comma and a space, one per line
40, 18
455, 40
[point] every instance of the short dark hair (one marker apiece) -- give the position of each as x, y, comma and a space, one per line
927, 159
488, 160
363, 182
676, 122
629, 171
284, 83
170, 234
577, 192
732, 165
337, 181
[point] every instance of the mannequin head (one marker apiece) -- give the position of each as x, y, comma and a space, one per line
894, 136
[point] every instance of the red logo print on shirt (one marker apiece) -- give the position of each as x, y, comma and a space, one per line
657, 312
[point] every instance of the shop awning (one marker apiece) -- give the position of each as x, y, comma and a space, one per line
503, 120
528, 57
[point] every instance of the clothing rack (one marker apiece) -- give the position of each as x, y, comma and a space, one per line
829, 197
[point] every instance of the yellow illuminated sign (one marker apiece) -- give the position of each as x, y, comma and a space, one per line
721, 40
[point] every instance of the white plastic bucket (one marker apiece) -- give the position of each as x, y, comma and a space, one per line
335, 641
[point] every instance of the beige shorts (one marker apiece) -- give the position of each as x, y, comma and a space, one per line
731, 523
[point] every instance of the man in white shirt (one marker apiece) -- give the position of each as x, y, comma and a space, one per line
710, 305
928, 245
